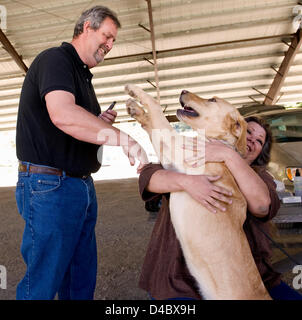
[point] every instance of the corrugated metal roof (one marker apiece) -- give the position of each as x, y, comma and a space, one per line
225, 48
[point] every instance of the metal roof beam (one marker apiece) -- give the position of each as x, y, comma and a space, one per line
287, 62
210, 47
234, 80
153, 48
196, 61
12, 51
11, 125
228, 94
186, 76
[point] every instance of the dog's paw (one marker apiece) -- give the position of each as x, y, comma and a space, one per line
133, 109
131, 90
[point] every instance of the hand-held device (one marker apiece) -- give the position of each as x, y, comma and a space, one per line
112, 105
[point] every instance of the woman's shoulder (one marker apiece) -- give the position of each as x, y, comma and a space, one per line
265, 175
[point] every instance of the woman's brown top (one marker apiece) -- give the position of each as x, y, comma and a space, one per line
164, 273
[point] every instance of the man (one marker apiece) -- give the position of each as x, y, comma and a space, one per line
59, 131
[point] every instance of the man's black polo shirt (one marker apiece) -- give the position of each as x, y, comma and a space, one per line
38, 140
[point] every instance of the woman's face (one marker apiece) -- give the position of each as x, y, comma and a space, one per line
255, 137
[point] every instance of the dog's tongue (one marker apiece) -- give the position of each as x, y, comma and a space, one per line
188, 111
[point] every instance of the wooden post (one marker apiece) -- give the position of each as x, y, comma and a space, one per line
12, 51
279, 79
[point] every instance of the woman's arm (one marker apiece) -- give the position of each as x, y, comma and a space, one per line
199, 187
251, 185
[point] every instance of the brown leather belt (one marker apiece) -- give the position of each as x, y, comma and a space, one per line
46, 170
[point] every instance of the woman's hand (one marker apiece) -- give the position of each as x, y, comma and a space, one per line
209, 151
217, 151
255, 191
202, 189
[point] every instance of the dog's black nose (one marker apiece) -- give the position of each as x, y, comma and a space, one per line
184, 91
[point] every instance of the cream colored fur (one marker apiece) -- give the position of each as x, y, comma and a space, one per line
215, 247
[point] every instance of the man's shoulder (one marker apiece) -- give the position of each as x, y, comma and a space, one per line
55, 58
52, 53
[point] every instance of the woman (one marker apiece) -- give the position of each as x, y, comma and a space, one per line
164, 273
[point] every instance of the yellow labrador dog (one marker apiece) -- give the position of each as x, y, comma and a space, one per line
215, 247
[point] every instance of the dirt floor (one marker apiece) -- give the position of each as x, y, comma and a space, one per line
123, 230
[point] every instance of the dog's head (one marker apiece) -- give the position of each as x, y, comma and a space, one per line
219, 118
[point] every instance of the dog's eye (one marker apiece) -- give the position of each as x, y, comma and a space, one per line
212, 100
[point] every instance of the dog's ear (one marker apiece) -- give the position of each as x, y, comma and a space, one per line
238, 129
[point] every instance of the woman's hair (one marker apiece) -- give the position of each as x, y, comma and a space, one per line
96, 15
264, 156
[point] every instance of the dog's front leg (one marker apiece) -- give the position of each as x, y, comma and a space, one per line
139, 114
166, 141
155, 112
162, 141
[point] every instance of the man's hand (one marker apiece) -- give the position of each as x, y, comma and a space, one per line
108, 116
134, 150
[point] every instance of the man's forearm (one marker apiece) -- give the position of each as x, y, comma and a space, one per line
82, 125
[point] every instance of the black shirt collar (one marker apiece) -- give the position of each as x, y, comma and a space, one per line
75, 56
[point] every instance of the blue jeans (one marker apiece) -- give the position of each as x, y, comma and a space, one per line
58, 246
284, 292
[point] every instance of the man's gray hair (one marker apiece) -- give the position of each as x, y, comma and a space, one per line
96, 15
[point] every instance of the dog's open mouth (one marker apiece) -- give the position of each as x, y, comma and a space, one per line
187, 111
